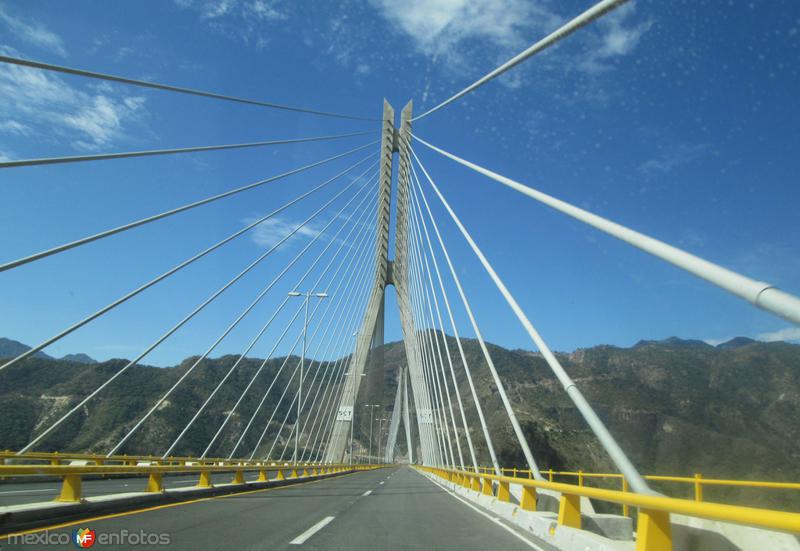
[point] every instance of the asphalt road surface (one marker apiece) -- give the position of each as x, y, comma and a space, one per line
393, 508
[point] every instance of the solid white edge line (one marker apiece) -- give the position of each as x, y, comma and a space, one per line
493, 519
27, 491
365, 494
301, 539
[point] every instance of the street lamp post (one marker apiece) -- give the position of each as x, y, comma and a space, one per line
371, 417
380, 435
306, 298
352, 423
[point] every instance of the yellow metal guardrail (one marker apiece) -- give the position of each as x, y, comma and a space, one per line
697, 481
653, 528
56, 464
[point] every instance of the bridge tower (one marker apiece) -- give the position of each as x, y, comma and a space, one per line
388, 272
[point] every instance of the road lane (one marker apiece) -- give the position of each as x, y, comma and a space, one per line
350, 512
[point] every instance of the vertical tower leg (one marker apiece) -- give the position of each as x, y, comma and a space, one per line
364, 340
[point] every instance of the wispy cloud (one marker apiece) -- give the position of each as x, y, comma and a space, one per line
786, 334
33, 33
617, 36
269, 232
238, 19
89, 119
673, 157
445, 28
11, 126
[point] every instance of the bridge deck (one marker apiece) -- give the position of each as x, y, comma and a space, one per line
403, 510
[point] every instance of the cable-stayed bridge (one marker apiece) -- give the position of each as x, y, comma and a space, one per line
291, 471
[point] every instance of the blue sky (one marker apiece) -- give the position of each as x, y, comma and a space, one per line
676, 119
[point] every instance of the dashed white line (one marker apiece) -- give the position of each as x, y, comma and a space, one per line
301, 539
365, 494
381, 482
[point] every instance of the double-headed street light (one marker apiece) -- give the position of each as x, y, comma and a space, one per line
306, 297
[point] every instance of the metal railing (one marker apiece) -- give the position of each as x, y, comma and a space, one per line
697, 481
72, 467
653, 526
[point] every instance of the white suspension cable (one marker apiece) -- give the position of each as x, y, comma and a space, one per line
360, 308
598, 427
165, 214
307, 247
170, 87
201, 254
360, 252
427, 377
760, 294
429, 291
174, 151
180, 324
476, 329
417, 212
363, 254
266, 427
357, 223
565, 30
338, 340
428, 346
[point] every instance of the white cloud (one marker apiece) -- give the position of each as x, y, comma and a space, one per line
90, 120
262, 10
617, 38
33, 33
442, 28
269, 232
786, 334
672, 157
11, 126
239, 19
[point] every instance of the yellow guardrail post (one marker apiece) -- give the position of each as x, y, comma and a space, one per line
475, 483
54, 459
486, 487
205, 480
580, 478
262, 476
550, 474
70, 488
528, 501
504, 491
569, 511
293, 474
154, 483
280, 475
698, 487
626, 510
238, 477
653, 531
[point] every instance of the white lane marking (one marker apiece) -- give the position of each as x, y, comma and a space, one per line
382, 481
28, 491
365, 494
495, 520
301, 539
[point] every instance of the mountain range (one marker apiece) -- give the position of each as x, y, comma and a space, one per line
11, 349
676, 407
